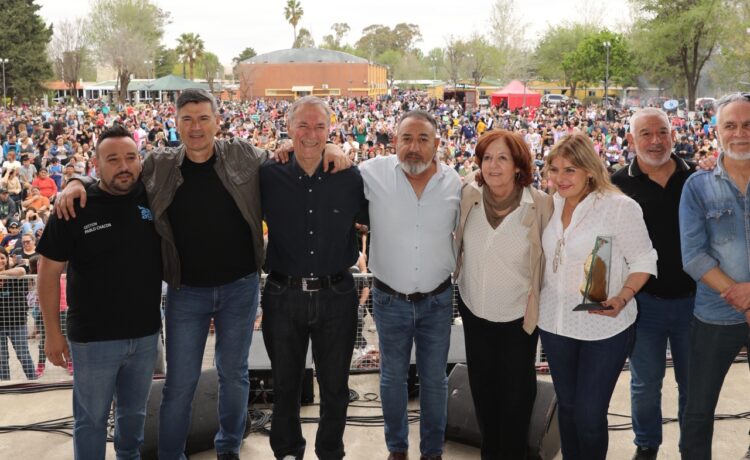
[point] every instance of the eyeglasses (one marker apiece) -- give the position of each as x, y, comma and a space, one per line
26, 242
558, 254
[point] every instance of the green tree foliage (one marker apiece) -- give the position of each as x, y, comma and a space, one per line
304, 39
23, 42
210, 68
509, 58
731, 63
376, 39
435, 60
334, 41
482, 58
190, 48
557, 43
678, 37
165, 60
247, 53
455, 55
293, 13
125, 34
588, 63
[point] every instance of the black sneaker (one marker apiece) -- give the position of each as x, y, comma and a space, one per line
645, 453
227, 456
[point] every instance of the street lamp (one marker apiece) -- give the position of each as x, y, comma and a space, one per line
4, 61
607, 46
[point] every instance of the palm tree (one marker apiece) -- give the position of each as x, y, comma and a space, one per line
293, 13
190, 48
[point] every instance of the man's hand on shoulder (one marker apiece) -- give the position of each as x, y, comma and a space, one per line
281, 154
334, 154
65, 202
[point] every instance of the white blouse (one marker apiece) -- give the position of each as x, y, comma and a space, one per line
600, 214
495, 277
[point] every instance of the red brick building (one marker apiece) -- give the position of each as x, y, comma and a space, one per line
293, 73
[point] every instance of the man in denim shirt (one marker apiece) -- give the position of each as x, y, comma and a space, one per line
715, 252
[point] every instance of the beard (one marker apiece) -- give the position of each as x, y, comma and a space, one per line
414, 167
654, 162
737, 156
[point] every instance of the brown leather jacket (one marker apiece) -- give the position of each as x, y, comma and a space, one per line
237, 164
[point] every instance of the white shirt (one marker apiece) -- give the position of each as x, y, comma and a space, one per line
495, 275
599, 214
411, 248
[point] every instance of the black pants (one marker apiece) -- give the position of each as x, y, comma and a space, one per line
502, 378
328, 318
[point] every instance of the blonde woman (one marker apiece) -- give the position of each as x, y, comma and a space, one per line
587, 349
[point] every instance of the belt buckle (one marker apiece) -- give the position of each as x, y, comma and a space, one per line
310, 280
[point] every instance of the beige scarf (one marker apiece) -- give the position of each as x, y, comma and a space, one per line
495, 209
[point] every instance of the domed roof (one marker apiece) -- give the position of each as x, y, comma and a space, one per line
297, 55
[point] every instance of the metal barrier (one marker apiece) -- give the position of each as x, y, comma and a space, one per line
22, 335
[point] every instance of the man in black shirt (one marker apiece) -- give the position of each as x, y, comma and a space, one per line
665, 304
114, 295
309, 293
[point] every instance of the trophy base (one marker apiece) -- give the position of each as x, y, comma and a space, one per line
592, 307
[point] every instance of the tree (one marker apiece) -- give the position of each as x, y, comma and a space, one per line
436, 60
124, 34
210, 67
507, 35
377, 39
455, 52
731, 63
23, 42
557, 43
333, 41
588, 63
293, 13
680, 36
165, 60
482, 58
304, 39
247, 53
69, 51
190, 48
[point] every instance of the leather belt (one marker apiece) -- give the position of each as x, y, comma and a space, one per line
414, 296
307, 284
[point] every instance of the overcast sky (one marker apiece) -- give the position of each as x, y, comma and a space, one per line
227, 27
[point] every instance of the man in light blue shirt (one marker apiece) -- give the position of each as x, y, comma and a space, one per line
414, 209
715, 252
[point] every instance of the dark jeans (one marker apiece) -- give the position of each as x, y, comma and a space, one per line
291, 318
502, 377
584, 374
658, 320
712, 350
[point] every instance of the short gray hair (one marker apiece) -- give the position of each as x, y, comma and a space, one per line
420, 115
308, 100
728, 99
645, 112
196, 95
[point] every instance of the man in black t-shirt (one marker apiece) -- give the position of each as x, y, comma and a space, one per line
114, 272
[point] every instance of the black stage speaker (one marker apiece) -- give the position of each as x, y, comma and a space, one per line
544, 432
204, 423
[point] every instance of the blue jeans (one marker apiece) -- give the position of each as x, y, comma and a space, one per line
658, 320
584, 374
712, 350
119, 369
188, 315
292, 318
427, 324
19, 337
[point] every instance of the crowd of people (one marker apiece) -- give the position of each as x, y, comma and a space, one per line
581, 275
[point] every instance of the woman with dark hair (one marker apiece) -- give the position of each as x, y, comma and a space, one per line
499, 269
13, 317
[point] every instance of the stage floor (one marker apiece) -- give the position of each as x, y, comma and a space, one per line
366, 443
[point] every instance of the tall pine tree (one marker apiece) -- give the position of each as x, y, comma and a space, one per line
23, 42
